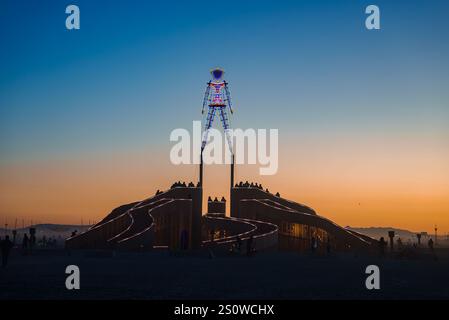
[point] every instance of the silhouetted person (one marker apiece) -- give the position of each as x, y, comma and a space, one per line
278, 194
382, 246
6, 246
313, 244
430, 244
25, 241
399, 242
32, 240
74, 233
239, 244
328, 246
14, 235
249, 246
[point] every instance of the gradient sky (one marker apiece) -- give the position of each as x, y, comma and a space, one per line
85, 116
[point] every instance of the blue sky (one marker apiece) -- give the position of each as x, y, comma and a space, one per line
86, 115
137, 69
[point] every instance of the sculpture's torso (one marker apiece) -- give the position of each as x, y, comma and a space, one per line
217, 94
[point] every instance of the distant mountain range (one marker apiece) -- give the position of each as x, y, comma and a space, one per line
377, 232
50, 230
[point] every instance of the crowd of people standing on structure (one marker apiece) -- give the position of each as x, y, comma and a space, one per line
241, 184
183, 184
209, 199
256, 185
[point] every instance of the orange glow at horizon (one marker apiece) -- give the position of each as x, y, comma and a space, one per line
361, 182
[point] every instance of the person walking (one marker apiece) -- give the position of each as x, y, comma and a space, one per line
249, 246
25, 243
313, 245
430, 244
6, 246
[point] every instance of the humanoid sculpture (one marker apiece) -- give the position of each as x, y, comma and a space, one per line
217, 98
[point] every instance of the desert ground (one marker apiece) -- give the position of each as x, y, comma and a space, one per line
270, 275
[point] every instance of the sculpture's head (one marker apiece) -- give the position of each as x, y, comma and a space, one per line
217, 73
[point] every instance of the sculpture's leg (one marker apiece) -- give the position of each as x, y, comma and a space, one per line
225, 122
207, 126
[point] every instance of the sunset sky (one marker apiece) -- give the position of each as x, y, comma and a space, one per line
363, 116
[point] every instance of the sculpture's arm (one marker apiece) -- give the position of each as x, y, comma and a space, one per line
206, 97
228, 97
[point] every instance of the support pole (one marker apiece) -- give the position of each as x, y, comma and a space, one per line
201, 169
232, 172
231, 193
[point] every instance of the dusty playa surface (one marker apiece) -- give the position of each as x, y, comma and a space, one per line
274, 275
